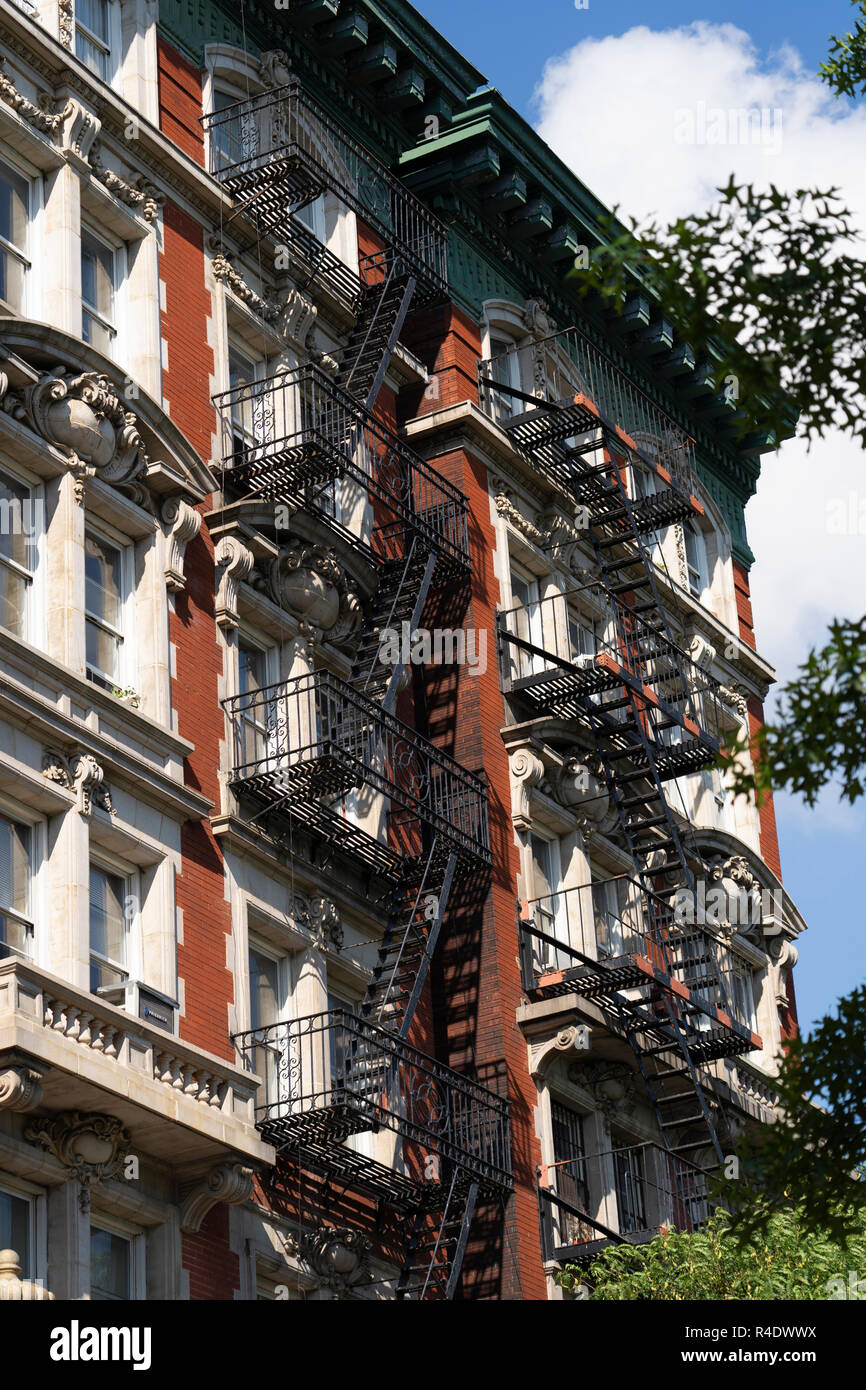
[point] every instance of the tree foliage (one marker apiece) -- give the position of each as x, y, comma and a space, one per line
845, 68
819, 732
811, 1154
792, 1262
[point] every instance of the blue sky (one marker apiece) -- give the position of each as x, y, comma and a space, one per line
606, 106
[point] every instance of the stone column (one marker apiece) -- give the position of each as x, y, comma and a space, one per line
68, 1243
69, 898
64, 573
61, 250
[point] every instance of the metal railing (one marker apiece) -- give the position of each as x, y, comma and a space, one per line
336, 1073
295, 435
605, 645
283, 147
313, 740
557, 367
585, 927
626, 1193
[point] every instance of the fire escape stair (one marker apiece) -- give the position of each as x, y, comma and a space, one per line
634, 756
404, 585
436, 1245
382, 314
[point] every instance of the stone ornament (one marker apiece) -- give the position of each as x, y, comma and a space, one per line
324, 921
308, 582
20, 1088
92, 1147
182, 524
225, 273
340, 1256
612, 1086
81, 773
234, 563
575, 1038
82, 415
229, 1182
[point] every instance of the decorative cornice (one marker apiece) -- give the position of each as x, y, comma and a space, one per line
81, 773
230, 1182
141, 195
41, 116
224, 271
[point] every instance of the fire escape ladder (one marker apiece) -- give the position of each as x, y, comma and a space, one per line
384, 306
676, 1091
408, 943
436, 1246
400, 598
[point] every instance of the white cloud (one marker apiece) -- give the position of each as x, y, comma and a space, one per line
611, 108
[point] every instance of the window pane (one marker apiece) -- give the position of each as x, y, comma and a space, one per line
12, 274
15, 866
15, 1229
102, 655
14, 200
97, 275
252, 669
17, 522
107, 926
93, 14
13, 601
264, 990
110, 1265
97, 335
103, 580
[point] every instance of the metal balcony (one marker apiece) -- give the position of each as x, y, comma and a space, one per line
568, 365
622, 1196
585, 650
316, 749
330, 1077
297, 438
600, 939
278, 152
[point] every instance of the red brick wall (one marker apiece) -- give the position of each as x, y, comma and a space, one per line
180, 104
187, 374
214, 1271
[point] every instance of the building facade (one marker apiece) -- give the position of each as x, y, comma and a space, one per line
375, 921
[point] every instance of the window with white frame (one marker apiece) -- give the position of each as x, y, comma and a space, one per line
16, 887
696, 559
243, 372
257, 730
505, 371
102, 270
269, 991
526, 622
742, 987
571, 1177
582, 634
107, 608
97, 36
20, 515
110, 945
18, 1228
116, 1263
15, 196
312, 215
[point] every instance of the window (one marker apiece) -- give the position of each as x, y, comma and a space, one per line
742, 989
525, 623
505, 371
268, 1003
16, 1229
258, 718
582, 640
16, 877
106, 593
18, 553
14, 215
248, 406
95, 42
572, 1179
609, 898
628, 1166
112, 1272
696, 559
109, 933
99, 281
312, 216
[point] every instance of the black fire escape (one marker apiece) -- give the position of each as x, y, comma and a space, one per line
330, 756
652, 716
